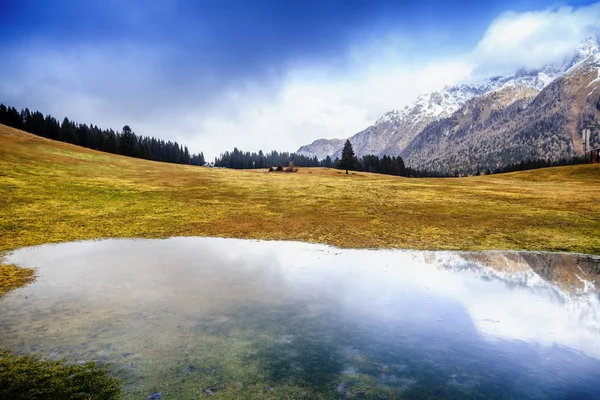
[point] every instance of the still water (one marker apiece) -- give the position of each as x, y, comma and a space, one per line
188, 318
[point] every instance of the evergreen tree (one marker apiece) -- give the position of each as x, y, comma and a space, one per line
112, 142
127, 142
52, 127
261, 162
67, 132
348, 159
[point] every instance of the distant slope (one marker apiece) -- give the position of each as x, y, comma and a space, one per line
322, 148
52, 191
465, 127
395, 129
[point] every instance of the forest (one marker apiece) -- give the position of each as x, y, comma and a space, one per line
126, 142
388, 165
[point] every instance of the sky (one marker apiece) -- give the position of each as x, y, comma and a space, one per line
265, 74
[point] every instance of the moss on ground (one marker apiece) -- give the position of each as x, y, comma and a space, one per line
24, 377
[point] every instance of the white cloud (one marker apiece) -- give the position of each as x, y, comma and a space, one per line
334, 99
320, 104
534, 39
380, 76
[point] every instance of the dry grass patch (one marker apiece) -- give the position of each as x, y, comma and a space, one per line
53, 192
12, 277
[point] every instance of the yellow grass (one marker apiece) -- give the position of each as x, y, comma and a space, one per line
53, 192
12, 277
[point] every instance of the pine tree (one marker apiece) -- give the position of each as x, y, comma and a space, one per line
348, 159
67, 132
52, 127
262, 162
127, 142
111, 142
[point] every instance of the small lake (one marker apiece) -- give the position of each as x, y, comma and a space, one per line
214, 318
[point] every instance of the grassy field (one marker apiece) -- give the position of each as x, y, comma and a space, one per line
52, 192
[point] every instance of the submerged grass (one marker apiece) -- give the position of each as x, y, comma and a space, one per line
53, 192
24, 377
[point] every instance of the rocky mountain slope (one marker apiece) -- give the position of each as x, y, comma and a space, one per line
322, 148
513, 124
395, 129
529, 114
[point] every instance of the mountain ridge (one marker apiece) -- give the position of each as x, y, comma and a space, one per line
395, 131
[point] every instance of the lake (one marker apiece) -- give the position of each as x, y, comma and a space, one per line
187, 318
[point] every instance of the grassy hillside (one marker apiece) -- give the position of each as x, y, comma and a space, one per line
52, 192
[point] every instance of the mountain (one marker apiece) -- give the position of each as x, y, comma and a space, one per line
395, 129
513, 124
473, 126
322, 148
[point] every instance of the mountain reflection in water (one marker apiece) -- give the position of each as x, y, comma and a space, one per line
192, 317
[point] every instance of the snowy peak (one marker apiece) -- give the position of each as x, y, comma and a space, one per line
590, 47
445, 102
531, 79
442, 104
394, 130
431, 105
393, 117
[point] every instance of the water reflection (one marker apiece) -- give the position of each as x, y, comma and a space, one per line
230, 318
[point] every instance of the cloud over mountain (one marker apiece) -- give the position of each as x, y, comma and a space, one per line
264, 74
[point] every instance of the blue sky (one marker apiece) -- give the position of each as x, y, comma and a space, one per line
265, 74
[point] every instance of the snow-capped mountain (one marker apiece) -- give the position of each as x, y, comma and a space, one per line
513, 124
397, 127
393, 132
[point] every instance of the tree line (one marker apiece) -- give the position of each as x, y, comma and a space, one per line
525, 165
395, 166
126, 142
238, 159
390, 165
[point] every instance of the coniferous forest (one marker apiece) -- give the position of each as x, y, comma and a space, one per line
130, 144
126, 142
238, 159
388, 165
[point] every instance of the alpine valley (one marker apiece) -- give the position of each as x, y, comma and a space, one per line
531, 114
